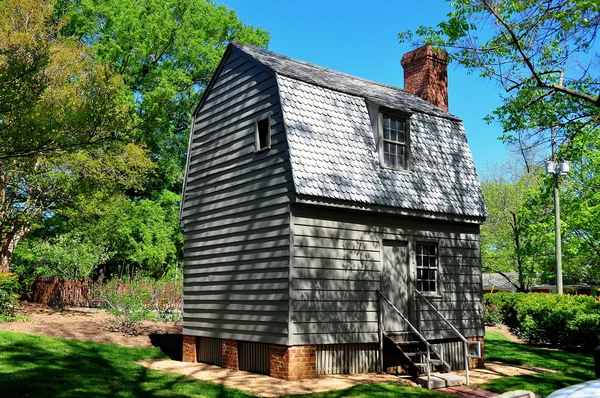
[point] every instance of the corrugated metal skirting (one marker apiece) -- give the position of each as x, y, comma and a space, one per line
209, 350
254, 357
347, 358
453, 354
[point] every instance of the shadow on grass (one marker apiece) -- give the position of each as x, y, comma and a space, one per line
572, 367
35, 366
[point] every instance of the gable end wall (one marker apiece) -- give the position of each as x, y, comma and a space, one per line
235, 212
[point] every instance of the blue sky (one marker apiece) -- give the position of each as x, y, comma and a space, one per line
361, 38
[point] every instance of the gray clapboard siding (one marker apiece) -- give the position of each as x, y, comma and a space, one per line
336, 272
235, 211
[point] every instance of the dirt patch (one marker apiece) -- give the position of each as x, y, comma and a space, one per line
89, 324
496, 370
266, 386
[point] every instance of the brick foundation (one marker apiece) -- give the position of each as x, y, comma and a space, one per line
229, 353
189, 348
477, 362
293, 363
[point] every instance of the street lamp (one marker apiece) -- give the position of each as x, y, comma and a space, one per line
557, 169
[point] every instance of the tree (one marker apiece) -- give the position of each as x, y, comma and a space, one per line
580, 199
53, 94
505, 237
542, 52
62, 113
167, 51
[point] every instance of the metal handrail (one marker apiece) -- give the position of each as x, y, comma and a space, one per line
415, 331
463, 338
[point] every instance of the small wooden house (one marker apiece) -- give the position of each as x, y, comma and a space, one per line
314, 203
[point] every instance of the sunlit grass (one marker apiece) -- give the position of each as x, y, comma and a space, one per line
37, 366
572, 368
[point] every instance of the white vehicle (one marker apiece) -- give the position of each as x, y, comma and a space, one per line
589, 389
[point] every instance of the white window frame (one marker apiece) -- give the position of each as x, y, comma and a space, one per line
436, 280
405, 117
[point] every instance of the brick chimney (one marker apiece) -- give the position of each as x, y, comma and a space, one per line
426, 75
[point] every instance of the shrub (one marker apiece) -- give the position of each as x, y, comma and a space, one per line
127, 301
548, 318
133, 301
492, 316
9, 286
166, 300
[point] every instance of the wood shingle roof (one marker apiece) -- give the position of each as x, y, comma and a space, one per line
332, 146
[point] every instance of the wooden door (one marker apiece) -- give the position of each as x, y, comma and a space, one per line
395, 280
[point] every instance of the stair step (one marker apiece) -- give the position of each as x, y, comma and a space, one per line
441, 380
412, 342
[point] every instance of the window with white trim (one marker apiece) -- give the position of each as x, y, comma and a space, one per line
427, 267
395, 142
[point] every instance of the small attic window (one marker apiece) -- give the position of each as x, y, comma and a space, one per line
262, 129
394, 142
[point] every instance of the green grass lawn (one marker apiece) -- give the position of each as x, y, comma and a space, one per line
573, 368
37, 366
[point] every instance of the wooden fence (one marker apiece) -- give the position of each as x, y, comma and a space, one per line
83, 293
70, 292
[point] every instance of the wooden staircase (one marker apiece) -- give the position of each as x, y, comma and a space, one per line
413, 353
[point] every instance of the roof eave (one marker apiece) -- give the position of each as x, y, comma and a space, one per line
373, 208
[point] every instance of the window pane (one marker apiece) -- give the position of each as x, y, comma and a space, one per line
432, 286
386, 122
386, 133
401, 136
432, 250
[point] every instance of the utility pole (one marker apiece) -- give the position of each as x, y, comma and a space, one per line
558, 169
557, 236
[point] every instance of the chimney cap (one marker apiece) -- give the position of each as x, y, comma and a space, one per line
426, 51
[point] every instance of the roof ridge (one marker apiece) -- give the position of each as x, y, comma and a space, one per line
385, 95
259, 49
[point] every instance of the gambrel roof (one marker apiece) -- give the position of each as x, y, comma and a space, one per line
332, 146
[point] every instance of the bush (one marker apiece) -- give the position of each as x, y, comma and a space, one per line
133, 301
9, 286
127, 301
561, 321
166, 300
492, 315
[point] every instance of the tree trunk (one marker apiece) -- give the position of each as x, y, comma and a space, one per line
8, 246
522, 288
4, 262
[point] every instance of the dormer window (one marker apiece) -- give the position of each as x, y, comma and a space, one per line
262, 133
394, 139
